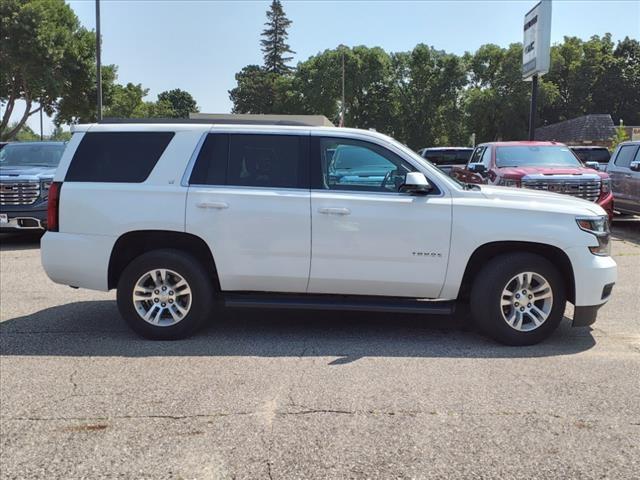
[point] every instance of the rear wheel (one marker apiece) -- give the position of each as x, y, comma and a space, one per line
165, 295
518, 299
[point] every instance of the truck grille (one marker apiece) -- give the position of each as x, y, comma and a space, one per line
19, 193
588, 189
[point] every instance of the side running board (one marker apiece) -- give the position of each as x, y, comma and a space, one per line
339, 303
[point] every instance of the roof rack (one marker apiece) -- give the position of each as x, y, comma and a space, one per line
231, 119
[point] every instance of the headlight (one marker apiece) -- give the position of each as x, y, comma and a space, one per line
44, 187
605, 186
508, 182
599, 227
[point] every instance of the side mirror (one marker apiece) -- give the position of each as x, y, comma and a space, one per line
478, 168
635, 166
415, 183
594, 165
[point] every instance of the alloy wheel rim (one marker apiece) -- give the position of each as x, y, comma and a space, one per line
162, 297
526, 301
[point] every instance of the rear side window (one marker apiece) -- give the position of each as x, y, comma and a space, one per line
126, 157
278, 161
625, 155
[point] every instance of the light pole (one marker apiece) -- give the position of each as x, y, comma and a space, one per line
41, 135
342, 105
98, 65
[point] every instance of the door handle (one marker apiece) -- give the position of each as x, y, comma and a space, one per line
334, 211
216, 205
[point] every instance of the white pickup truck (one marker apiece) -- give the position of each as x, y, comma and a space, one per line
186, 218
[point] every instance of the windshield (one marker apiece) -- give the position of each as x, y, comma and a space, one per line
31, 155
448, 157
535, 156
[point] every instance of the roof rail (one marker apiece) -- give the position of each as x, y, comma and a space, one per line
231, 119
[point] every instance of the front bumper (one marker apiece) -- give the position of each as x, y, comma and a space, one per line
25, 219
606, 203
594, 278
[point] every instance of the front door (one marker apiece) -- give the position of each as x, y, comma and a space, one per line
367, 237
625, 182
249, 199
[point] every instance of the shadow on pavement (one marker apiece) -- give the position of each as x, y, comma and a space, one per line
627, 229
95, 328
26, 240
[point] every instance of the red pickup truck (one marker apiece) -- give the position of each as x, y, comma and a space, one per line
549, 166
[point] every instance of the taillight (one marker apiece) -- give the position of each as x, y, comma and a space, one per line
53, 207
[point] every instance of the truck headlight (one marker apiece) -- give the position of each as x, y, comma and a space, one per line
605, 186
44, 187
599, 227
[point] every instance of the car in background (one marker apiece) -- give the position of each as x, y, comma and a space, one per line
446, 158
624, 170
592, 155
26, 173
548, 166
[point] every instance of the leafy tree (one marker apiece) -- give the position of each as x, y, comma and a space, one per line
260, 91
619, 136
181, 102
46, 59
58, 134
24, 133
274, 46
126, 101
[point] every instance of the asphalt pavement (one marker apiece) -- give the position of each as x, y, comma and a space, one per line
310, 395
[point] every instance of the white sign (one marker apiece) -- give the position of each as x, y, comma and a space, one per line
537, 40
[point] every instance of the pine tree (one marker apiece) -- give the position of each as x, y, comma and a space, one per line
274, 45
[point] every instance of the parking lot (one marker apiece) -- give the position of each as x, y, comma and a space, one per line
300, 395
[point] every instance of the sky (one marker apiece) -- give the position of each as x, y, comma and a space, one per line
199, 46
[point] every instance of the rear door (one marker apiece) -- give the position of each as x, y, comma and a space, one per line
249, 199
625, 189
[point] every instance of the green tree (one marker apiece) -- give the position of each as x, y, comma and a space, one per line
24, 133
60, 135
46, 59
619, 136
260, 91
274, 41
182, 103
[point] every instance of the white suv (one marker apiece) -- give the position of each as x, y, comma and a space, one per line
183, 218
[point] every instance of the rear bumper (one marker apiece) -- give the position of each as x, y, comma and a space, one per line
25, 219
76, 259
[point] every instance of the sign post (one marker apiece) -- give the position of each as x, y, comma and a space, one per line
536, 53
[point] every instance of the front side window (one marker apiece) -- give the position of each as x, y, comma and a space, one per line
625, 155
126, 157
360, 166
477, 155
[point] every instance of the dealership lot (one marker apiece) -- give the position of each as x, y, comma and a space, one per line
302, 395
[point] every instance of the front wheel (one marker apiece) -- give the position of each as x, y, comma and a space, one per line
518, 299
165, 295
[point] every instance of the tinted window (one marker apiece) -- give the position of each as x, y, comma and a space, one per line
600, 155
625, 155
267, 160
126, 157
361, 166
530, 155
211, 165
448, 157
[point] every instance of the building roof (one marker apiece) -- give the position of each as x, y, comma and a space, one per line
589, 128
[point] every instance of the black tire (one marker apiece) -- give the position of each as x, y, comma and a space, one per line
486, 295
202, 293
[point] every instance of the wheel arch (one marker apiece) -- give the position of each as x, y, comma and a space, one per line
133, 244
488, 251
